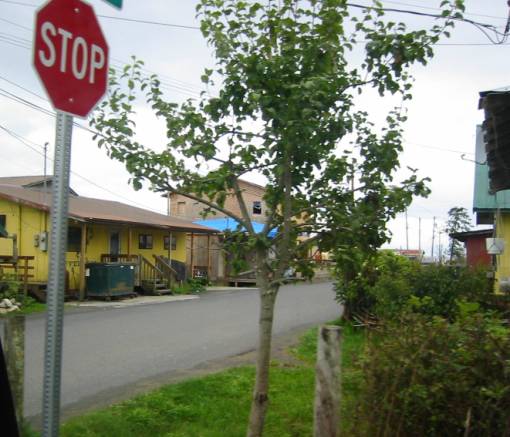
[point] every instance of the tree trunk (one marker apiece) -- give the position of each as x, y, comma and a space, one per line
260, 393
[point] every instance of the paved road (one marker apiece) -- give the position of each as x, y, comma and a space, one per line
109, 350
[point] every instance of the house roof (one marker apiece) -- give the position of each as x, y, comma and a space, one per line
409, 252
97, 210
23, 180
464, 236
229, 224
482, 200
30, 181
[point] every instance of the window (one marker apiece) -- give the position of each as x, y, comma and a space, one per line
257, 207
181, 208
3, 230
166, 242
73, 239
145, 241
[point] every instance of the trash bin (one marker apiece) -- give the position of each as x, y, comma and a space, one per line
107, 280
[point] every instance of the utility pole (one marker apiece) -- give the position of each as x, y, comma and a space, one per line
44, 185
407, 232
439, 247
433, 234
419, 234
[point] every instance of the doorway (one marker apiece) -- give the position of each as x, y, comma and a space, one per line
114, 245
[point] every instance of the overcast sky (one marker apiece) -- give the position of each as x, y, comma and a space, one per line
439, 135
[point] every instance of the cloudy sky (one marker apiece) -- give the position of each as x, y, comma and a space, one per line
439, 135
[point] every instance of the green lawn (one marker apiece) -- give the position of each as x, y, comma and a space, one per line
218, 405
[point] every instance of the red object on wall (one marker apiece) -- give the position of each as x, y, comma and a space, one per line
476, 251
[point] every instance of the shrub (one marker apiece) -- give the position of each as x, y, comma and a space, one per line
192, 285
390, 284
9, 287
428, 377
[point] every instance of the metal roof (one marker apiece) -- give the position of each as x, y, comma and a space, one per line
98, 210
463, 236
482, 200
229, 224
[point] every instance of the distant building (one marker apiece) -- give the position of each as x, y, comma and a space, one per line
475, 243
98, 231
186, 208
412, 254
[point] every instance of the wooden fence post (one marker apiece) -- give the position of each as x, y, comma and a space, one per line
327, 382
14, 349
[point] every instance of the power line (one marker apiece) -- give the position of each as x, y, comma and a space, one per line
179, 86
14, 44
18, 3
15, 24
26, 142
426, 146
23, 88
481, 26
111, 17
22, 44
155, 23
472, 14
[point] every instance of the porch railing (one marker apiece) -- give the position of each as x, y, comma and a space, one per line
151, 273
120, 258
164, 266
18, 268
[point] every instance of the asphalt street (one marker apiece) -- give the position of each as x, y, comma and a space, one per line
107, 350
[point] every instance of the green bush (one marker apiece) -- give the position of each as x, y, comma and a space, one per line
430, 377
9, 287
192, 285
390, 284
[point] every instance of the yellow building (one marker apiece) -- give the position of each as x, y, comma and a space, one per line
99, 231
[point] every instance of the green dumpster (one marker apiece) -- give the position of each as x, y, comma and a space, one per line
107, 280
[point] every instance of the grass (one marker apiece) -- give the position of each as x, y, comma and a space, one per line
32, 307
218, 405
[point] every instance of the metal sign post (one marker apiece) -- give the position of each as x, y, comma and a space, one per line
71, 57
56, 280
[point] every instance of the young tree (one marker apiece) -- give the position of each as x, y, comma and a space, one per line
286, 100
458, 221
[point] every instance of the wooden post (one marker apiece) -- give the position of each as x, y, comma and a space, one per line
208, 257
25, 278
14, 335
129, 242
327, 382
170, 238
83, 258
192, 260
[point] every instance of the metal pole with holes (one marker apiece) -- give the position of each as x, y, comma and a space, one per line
56, 279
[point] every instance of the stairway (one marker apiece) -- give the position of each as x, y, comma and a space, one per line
155, 287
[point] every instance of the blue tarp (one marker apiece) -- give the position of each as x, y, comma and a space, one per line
229, 224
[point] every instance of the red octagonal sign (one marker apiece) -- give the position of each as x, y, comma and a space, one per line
71, 55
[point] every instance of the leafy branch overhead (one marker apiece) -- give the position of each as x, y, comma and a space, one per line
287, 94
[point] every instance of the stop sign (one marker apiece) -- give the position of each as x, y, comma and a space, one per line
71, 55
